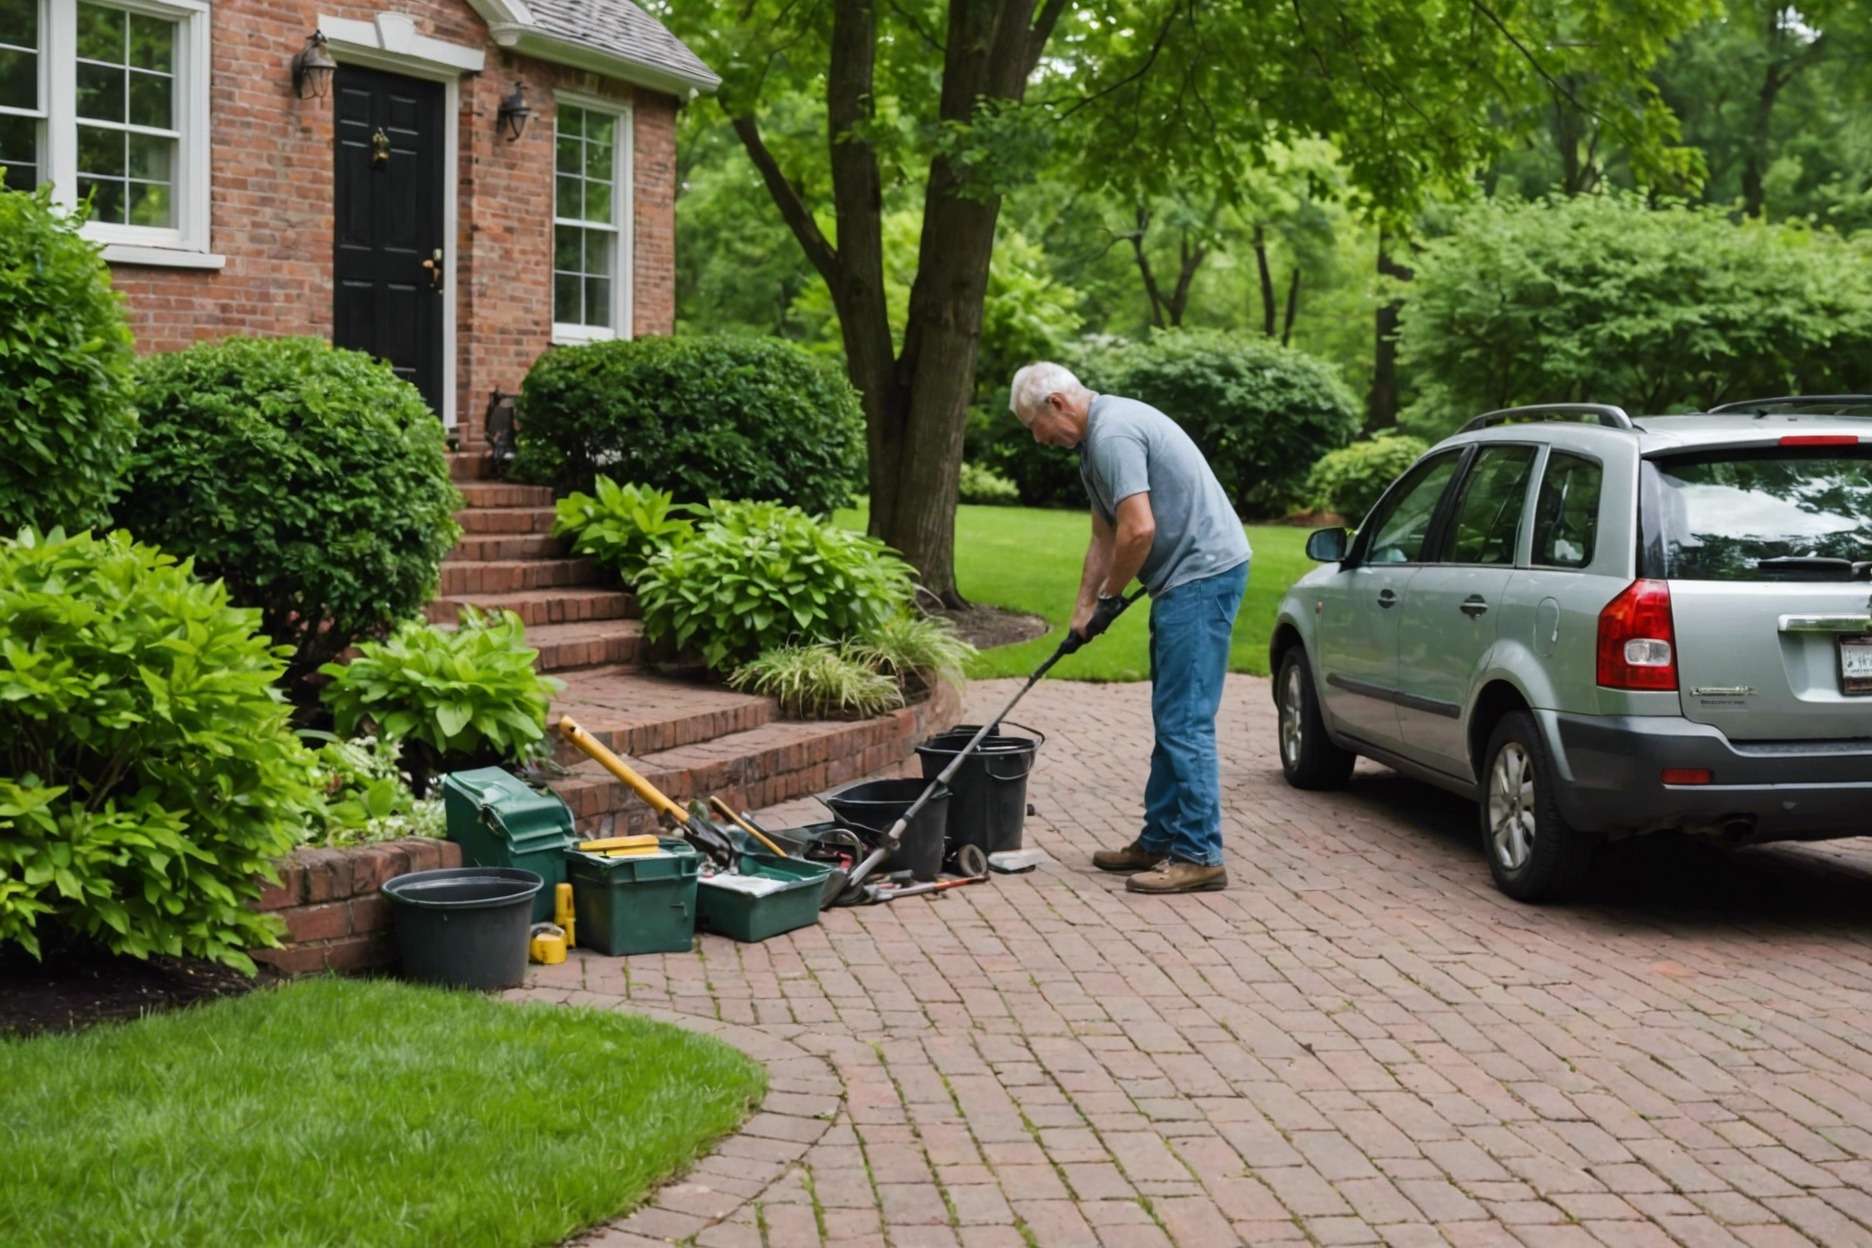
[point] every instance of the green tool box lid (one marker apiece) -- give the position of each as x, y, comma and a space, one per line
502, 803
675, 859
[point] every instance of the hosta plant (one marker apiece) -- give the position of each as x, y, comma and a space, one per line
819, 681
367, 793
454, 698
621, 526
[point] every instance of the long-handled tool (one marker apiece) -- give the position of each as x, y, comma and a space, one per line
727, 812
705, 835
854, 888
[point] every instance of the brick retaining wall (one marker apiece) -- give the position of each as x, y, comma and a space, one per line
336, 919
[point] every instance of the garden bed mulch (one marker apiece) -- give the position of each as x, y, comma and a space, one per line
988, 627
70, 991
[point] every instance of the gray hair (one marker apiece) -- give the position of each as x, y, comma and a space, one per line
1033, 383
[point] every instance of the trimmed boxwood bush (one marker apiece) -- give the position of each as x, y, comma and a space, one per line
65, 359
311, 480
147, 774
715, 416
1350, 479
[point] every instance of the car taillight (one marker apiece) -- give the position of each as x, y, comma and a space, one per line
1637, 644
1820, 439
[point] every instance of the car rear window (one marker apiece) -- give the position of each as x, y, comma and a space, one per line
1784, 513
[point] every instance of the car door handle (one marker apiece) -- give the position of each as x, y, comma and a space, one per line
1387, 597
1474, 605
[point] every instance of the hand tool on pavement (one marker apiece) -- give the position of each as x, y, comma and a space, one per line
693, 823
894, 834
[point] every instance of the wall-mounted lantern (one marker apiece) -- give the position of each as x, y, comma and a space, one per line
312, 68
514, 112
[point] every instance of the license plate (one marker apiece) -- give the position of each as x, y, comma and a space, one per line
1856, 665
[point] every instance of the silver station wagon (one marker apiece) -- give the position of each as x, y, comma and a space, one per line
1597, 626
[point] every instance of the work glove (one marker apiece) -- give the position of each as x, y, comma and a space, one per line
1108, 608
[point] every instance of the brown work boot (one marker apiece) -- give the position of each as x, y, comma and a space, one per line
1177, 876
1133, 857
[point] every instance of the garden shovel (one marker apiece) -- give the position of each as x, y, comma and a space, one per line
855, 891
693, 822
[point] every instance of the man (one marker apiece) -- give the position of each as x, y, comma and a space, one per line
1158, 514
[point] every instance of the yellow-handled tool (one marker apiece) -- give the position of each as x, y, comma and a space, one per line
724, 809
701, 833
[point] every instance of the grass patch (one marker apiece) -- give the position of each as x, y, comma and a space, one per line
358, 1113
1028, 559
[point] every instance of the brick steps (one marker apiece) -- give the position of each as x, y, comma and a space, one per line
492, 549
500, 494
633, 713
479, 520
542, 606
507, 576
597, 643
469, 465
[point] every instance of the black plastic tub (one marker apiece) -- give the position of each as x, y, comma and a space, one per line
874, 805
464, 927
989, 808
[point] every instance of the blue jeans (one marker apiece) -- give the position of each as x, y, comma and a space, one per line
1190, 628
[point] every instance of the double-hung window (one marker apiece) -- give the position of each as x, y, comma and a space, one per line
591, 221
108, 102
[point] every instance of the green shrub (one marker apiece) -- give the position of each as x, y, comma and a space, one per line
1605, 298
819, 681
757, 575
368, 797
707, 417
311, 480
622, 526
468, 697
1261, 412
1042, 476
982, 484
1350, 479
65, 359
147, 775
917, 651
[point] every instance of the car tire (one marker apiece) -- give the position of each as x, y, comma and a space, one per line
1532, 852
1309, 759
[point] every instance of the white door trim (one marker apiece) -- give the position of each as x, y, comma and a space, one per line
390, 43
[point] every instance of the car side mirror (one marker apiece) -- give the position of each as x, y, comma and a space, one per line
1327, 545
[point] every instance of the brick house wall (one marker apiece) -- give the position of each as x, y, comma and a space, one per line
271, 194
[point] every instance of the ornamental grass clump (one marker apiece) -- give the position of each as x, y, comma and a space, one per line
917, 651
819, 681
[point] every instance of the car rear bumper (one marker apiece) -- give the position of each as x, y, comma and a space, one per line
1610, 766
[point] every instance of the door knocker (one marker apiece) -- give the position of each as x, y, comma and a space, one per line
380, 148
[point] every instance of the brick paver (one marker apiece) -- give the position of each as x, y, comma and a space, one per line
1360, 1042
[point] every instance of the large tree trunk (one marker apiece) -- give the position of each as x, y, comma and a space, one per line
1381, 408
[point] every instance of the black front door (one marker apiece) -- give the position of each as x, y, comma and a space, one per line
388, 264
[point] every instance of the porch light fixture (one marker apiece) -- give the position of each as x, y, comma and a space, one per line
312, 68
514, 112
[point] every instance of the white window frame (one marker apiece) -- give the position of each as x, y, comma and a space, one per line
186, 243
623, 200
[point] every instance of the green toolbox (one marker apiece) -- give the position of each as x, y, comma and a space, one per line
636, 903
500, 822
770, 895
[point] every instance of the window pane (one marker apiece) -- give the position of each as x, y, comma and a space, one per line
1487, 526
568, 154
566, 288
152, 43
566, 248
572, 121
149, 101
101, 92
597, 201
101, 33
599, 127
599, 244
19, 153
100, 151
571, 198
598, 301
598, 162
1748, 515
150, 205
1566, 515
1401, 534
19, 79
109, 202
151, 157
19, 23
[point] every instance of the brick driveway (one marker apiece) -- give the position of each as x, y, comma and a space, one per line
1359, 1042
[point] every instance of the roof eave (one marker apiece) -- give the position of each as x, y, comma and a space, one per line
536, 43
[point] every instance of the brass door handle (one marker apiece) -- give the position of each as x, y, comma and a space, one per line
434, 267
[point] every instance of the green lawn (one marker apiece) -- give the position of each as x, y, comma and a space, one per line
352, 1112
1028, 559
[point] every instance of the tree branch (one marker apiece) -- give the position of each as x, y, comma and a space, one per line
1150, 58
786, 197
935, 45
1041, 31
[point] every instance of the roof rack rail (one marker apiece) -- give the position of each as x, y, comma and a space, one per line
1606, 414
1783, 402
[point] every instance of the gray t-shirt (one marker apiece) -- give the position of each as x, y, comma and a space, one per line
1131, 447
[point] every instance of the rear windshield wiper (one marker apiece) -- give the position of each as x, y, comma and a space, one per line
1846, 569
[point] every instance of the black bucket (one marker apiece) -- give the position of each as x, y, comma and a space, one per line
875, 805
989, 808
464, 927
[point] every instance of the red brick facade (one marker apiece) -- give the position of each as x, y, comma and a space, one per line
272, 186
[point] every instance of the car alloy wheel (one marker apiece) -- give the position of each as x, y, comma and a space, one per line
1292, 718
1511, 806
